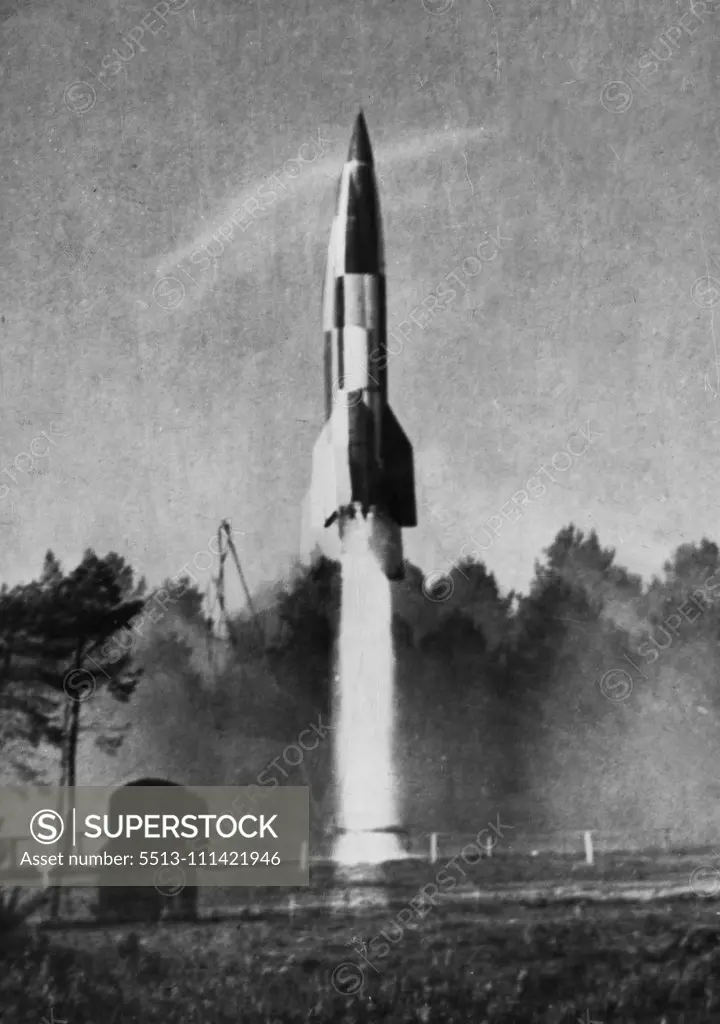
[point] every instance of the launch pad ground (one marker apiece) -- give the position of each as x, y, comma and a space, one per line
553, 950
533, 881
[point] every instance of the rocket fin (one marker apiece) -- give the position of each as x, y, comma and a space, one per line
399, 472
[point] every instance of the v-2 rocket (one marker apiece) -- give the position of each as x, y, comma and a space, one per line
362, 462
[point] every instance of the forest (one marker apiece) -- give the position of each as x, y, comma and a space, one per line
590, 701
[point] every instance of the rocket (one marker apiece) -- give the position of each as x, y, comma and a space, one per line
362, 462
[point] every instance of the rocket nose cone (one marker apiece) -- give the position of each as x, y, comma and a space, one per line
360, 143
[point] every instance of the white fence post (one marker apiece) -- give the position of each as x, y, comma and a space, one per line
489, 843
589, 852
303, 855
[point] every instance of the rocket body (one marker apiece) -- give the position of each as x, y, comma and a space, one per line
362, 461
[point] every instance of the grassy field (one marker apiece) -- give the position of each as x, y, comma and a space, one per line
509, 964
491, 954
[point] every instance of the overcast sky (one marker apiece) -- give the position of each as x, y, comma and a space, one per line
486, 120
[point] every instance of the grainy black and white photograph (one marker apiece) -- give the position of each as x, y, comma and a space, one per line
359, 384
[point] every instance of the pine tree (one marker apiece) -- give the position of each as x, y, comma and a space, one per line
50, 630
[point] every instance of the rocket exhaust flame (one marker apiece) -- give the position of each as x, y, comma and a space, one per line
364, 711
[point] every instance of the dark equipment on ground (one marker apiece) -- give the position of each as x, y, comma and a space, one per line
147, 903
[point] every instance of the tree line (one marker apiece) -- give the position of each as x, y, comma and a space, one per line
582, 652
